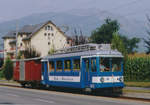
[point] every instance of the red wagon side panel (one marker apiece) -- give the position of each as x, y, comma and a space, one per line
32, 71
29, 71
16, 73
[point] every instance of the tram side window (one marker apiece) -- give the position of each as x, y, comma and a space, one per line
105, 65
59, 66
67, 66
76, 65
51, 66
116, 64
93, 65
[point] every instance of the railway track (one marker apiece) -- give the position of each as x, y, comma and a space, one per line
81, 93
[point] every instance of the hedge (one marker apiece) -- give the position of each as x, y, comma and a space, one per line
137, 69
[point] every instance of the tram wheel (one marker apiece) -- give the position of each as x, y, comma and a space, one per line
33, 85
23, 84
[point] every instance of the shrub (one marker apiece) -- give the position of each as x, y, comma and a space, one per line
8, 69
1, 74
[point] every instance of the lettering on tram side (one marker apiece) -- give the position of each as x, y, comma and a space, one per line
65, 78
55, 78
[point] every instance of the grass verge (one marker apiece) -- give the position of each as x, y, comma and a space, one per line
5, 81
135, 91
138, 84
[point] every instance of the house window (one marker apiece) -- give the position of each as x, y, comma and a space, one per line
67, 42
20, 44
48, 43
52, 34
45, 34
51, 28
48, 34
48, 27
21, 35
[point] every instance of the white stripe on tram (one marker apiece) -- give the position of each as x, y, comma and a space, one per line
107, 79
65, 78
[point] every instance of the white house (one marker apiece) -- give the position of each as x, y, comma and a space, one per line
42, 37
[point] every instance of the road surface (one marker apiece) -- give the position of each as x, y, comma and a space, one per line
21, 96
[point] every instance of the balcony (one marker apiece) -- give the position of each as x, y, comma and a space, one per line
11, 50
21, 49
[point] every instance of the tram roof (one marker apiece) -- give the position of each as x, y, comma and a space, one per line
101, 53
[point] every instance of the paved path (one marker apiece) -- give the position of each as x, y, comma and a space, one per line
137, 88
19, 96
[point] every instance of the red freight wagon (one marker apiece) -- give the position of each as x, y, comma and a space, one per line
28, 71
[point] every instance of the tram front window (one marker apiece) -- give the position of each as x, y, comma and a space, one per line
105, 65
116, 64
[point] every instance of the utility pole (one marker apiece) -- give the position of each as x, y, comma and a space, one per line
16, 40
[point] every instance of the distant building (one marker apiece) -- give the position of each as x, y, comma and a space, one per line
42, 37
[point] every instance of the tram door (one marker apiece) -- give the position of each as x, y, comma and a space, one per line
86, 62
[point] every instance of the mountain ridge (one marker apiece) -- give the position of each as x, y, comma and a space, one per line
85, 20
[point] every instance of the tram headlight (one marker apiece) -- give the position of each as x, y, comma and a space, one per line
102, 79
121, 79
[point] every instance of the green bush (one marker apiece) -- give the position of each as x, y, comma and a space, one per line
8, 69
137, 69
1, 74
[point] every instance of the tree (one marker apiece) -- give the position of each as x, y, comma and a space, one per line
1, 73
104, 33
1, 62
118, 44
8, 69
130, 44
79, 38
147, 40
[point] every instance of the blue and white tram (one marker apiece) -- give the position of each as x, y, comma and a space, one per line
97, 67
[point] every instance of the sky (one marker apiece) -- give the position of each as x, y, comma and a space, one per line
14, 9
